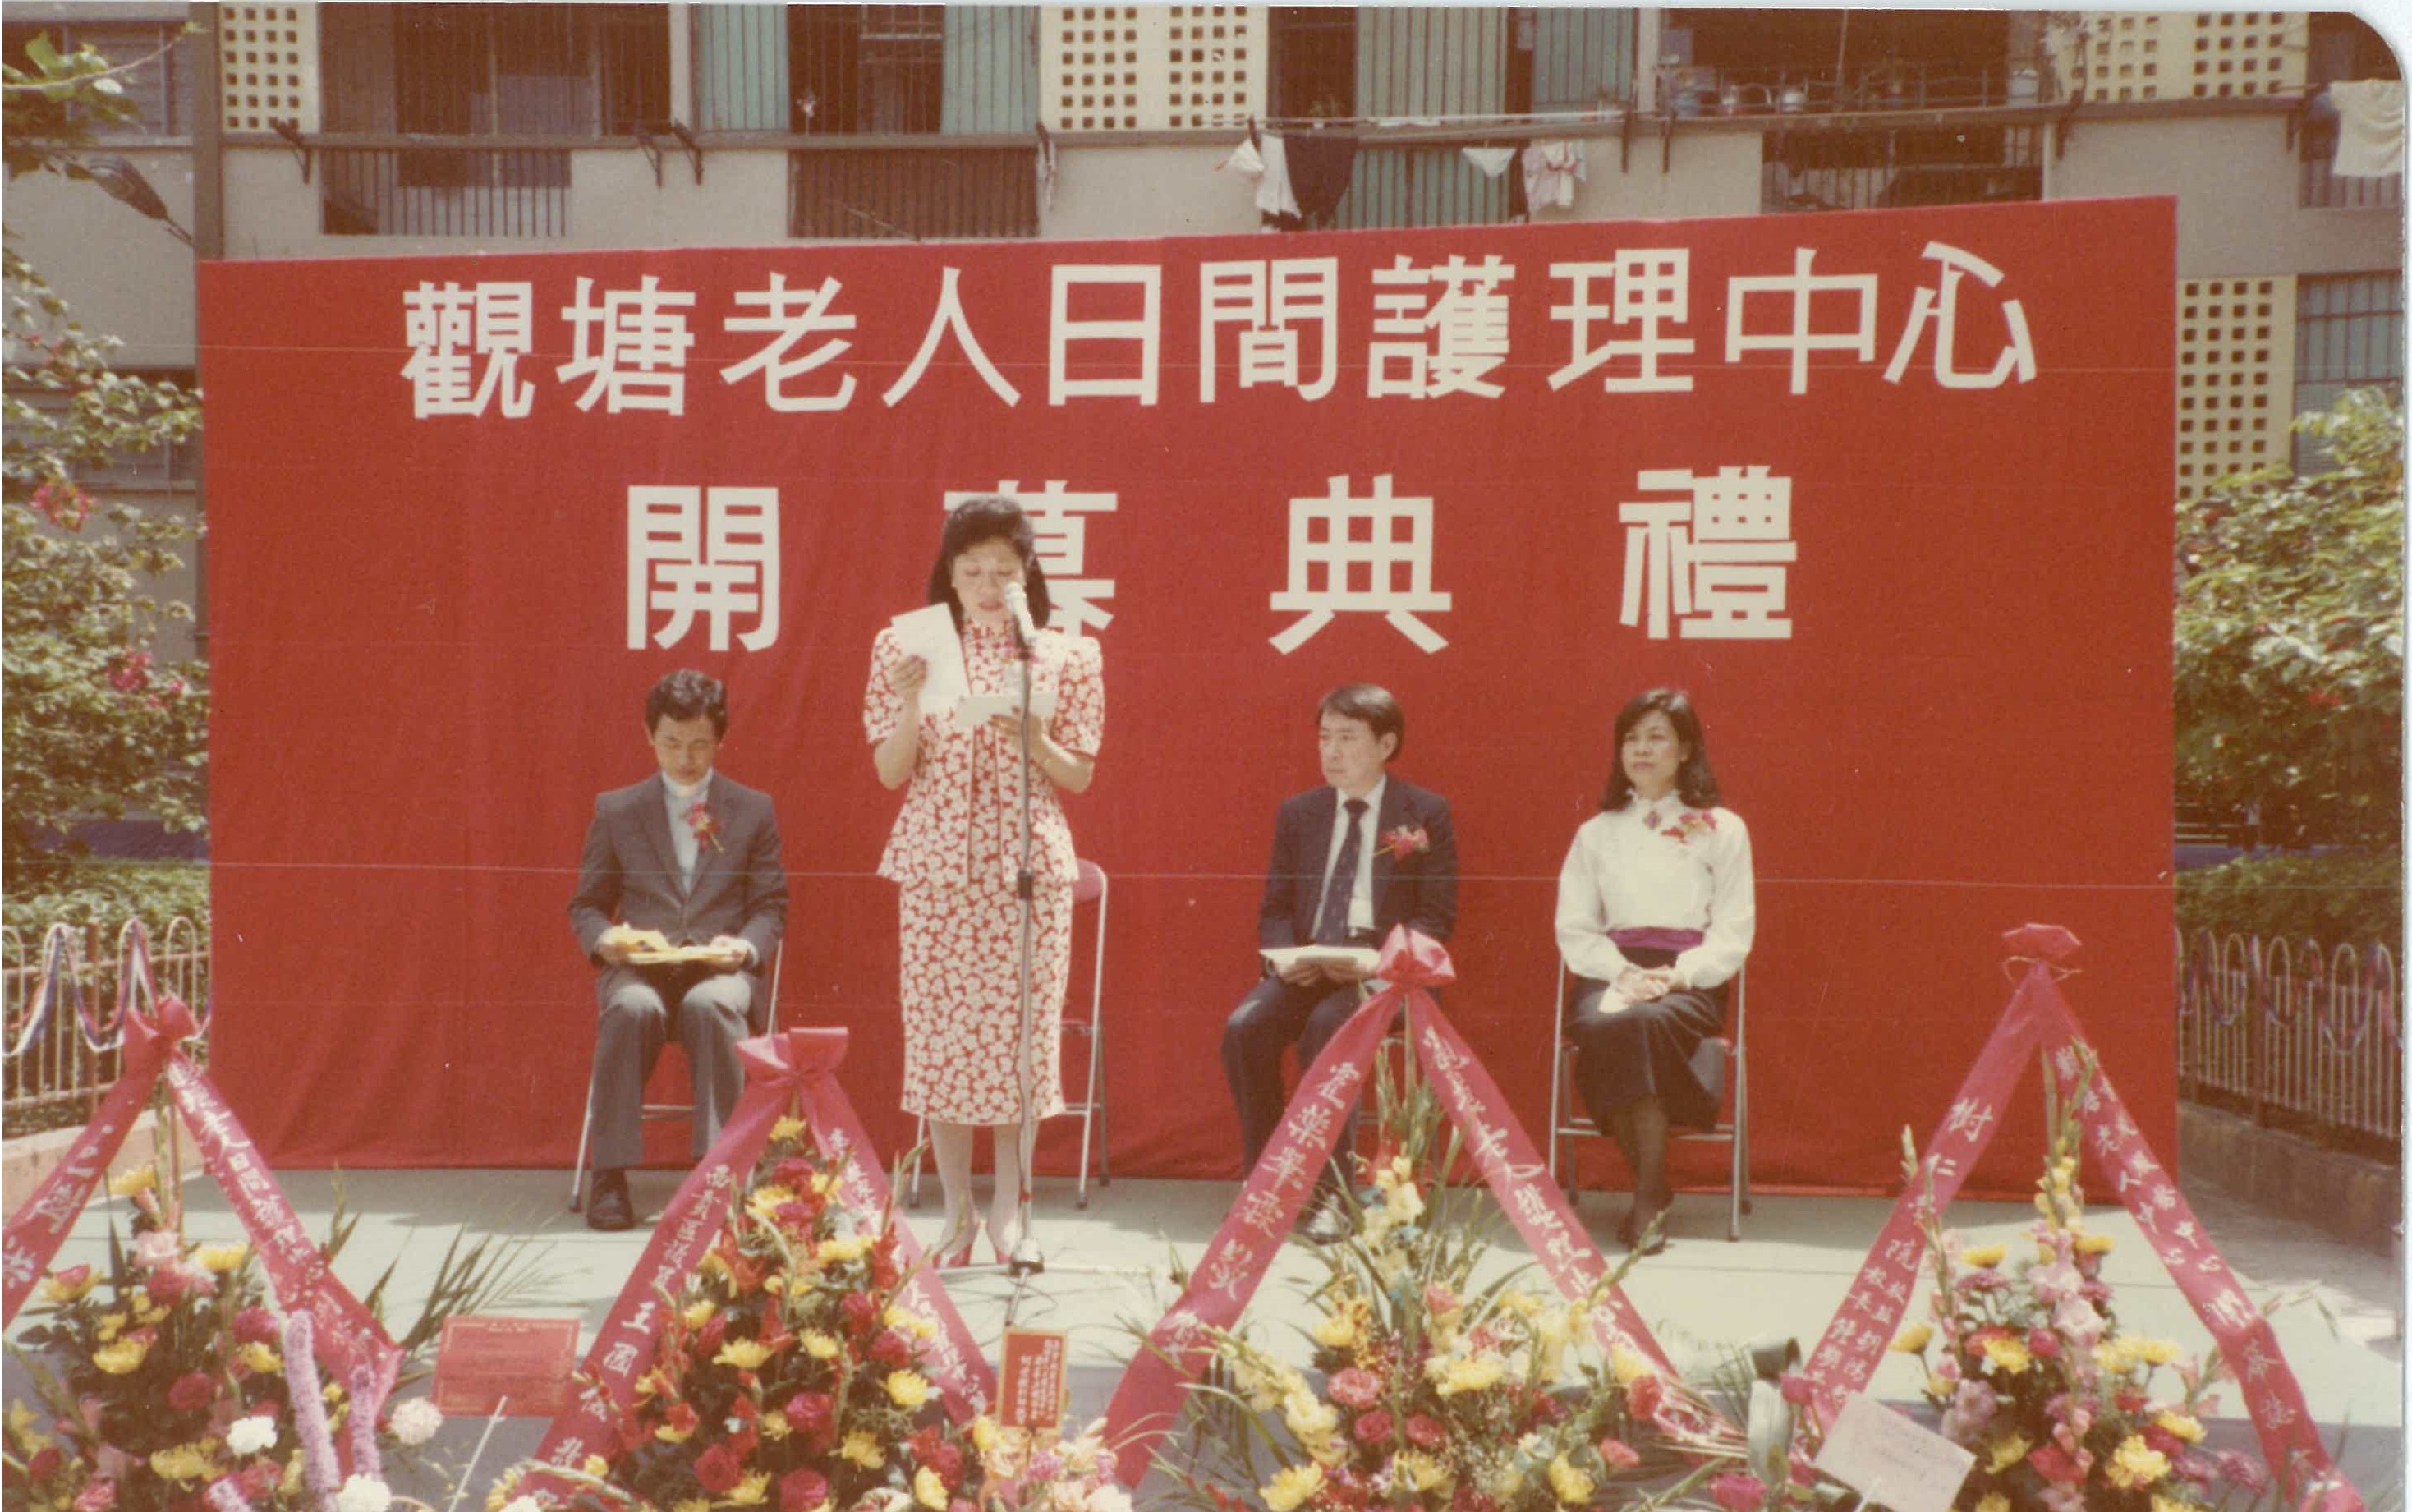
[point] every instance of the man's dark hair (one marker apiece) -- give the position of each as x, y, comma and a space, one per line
1695, 784
1370, 706
991, 517
684, 695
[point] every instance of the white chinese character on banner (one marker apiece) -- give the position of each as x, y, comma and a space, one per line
708, 551
1942, 308
449, 329
1371, 555
1713, 560
949, 317
1801, 336
1062, 537
792, 315
1273, 304
1445, 344
640, 361
1654, 286
1063, 330
1971, 1116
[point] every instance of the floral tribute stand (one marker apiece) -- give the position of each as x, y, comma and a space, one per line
783, 1215
163, 1379
1987, 1370
1195, 1335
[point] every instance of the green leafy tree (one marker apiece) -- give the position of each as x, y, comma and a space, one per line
2290, 636
92, 724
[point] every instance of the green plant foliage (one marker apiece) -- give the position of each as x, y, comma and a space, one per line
91, 723
2352, 898
2290, 636
108, 893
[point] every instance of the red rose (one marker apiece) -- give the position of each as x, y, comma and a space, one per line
2049, 1462
812, 1414
1426, 1432
681, 1417
1643, 1398
2044, 1344
718, 1469
45, 1463
1618, 1455
255, 1326
801, 1490
861, 1314
1373, 1427
192, 1391
892, 1349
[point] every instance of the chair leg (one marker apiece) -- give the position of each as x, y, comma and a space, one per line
577, 1172
913, 1184
1088, 1123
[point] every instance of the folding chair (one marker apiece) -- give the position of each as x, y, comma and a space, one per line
652, 1113
1712, 1061
1091, 887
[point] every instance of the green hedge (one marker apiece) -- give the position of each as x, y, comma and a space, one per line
108, 893
2352, 898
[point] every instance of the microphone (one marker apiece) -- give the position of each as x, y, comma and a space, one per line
1017, 601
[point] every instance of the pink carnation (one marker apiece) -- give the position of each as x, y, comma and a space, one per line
1354, 1388
1737, 1492
1618, 1455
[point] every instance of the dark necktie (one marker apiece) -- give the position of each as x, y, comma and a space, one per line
1331, 924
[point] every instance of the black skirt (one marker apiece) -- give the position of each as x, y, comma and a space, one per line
1645, 1049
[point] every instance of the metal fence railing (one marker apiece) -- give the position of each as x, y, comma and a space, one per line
2294, 1036
444, 191
1900, 166
924, 190
63, 1004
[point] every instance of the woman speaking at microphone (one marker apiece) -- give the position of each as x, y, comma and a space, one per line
956, 851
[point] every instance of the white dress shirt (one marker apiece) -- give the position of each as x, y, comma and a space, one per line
1361, 902
685, 845
1627, 871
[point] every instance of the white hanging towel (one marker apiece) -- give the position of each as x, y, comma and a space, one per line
1552, 171
1273, 194
1493, 161
2369, 129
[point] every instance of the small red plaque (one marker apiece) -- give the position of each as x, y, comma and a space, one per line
520, 1364
1030, 1388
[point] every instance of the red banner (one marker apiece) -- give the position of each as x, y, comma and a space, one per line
2039, 1022
1890, 492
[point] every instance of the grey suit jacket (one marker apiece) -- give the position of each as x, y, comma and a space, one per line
629, 872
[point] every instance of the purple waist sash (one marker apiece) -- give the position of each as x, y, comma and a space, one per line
1656, 939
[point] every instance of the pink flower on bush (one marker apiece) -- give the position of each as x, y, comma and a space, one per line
1737, 1492
1618, 1455
1354, 1388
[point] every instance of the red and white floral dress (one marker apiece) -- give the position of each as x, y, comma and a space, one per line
953, 855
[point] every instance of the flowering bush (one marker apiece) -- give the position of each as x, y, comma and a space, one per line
2062, 1410
1434, 1394
788, 1373
167, 1382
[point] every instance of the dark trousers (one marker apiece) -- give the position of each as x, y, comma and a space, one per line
712, 1013
1645, 1050
1266, 1022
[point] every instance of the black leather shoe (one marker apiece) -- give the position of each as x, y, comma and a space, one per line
1326, 1223
609, 1208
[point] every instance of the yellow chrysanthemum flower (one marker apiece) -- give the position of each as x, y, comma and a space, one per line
906, 1389
862, 1448
1984, 1256
750, 1492
787, 1128
697, 1314
2178, 1425
1421, 1469
2010, 1355
669, 1433
983, 1432
110, 1325
2008, 1451
2136, 1464
929, 1490
56, 1290
123, 1357
766, 1200
2152, 1351
1291, 1489
1338, 1331
260, 1359
1308, 1417
218, 1259
2095, 1243
1629, 1365
842, 1250
596, 1465
744, 1354
1569, 1484
1914, 1339
141, 1178
694, 1504
150, 1314
818, 1344
186, 1462
823, 1183
1993, 1502
1462, 1373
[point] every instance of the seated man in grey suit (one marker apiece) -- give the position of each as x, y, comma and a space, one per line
685, 858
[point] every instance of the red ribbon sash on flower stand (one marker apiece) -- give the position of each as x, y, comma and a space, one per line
798, 1065
2039, 1021
1147, 1401
346, 1338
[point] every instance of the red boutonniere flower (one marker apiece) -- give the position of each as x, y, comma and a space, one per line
705, 824
1405, 841
1687, 823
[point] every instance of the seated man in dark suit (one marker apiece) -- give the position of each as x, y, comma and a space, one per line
1351, 861
684, 859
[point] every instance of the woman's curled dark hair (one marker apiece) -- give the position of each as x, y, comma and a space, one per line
1695, 783
990, 517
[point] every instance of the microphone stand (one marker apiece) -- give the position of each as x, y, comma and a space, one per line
1026, 1258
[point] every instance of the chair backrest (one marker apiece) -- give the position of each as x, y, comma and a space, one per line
1091, 884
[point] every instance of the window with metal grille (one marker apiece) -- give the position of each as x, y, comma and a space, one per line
158, 84
2349, 334
2342, 48
867, 70
519, 70
1313, 59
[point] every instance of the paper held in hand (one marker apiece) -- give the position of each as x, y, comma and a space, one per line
1359, 956
675, 955
979, 708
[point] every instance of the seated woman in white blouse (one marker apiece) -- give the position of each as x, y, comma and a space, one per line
1655, 918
